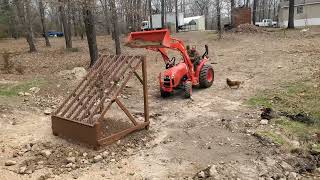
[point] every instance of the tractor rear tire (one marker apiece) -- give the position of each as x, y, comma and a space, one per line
187, 89
164, 94
206, 76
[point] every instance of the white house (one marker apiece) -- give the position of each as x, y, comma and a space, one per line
306, 13
195, 23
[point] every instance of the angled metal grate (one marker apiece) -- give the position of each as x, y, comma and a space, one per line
81, 114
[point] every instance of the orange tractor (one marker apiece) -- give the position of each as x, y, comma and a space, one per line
193, 70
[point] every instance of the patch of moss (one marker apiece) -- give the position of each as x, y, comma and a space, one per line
13, 89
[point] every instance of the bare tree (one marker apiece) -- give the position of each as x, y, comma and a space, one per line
254, 11
106, 13
232, 7
115, 26
162, 13
66, 24
23, 10
218, 6
291, 15
177, 13
150, 13
89, 23
44, 26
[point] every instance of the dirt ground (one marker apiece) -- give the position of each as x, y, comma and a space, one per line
213, 130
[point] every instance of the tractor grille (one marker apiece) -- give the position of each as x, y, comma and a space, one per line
166, 81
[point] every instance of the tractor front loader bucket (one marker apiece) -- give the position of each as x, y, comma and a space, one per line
149, 39
81, 115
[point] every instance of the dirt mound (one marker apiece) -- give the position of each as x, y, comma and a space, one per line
248, 28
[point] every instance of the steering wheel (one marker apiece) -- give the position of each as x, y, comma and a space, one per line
171, 63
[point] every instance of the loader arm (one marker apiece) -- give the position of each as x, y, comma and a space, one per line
160, 40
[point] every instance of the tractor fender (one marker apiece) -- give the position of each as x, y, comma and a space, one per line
200, 67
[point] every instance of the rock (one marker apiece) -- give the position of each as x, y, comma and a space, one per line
317, 170
295, 144
201, 174
34, 90
279, 67
27, 94
105, 154
270, 162
286, 166
213, 171
22, 170
20, 93
268, 113
292, 176
47, 111
97, 158
10, 163
69, 165
264, 122
71, 159
46, 153
85, 154
113, 160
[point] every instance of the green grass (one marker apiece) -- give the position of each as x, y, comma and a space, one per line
10, 90
291, 98
301, 97
301, 131
271, 135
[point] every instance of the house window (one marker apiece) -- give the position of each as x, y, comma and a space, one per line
299, 9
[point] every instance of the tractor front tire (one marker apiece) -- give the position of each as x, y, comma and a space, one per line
164, 94
206, 76
187, 89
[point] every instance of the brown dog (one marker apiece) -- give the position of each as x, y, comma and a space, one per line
233, 84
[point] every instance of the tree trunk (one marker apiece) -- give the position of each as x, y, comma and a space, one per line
150, 14
219, 19
91, 33
291, 15
66, 27
106, 15
162, 14
177, 13
116, 28
254, 11
232, 7
44, 26
23, 10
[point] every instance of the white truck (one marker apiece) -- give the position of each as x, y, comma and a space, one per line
267, 23
156, 21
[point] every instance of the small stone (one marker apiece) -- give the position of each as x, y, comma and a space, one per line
71, 159
113, 160
201, 174
317, 170
40, 162
46, 153
20, 93
27, 94
97, 158
75, 176
279, 67
22, 170
131, 173
34, 90
69, 165
10, 163
270, 162
295, 144
85, 154
285, 166
264, 122
47, 111
213, 171
293, 176
105, 154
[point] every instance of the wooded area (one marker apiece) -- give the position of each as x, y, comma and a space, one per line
33, 18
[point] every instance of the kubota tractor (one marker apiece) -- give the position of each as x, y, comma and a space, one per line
193, 70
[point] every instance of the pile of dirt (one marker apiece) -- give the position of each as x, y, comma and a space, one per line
248, 28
